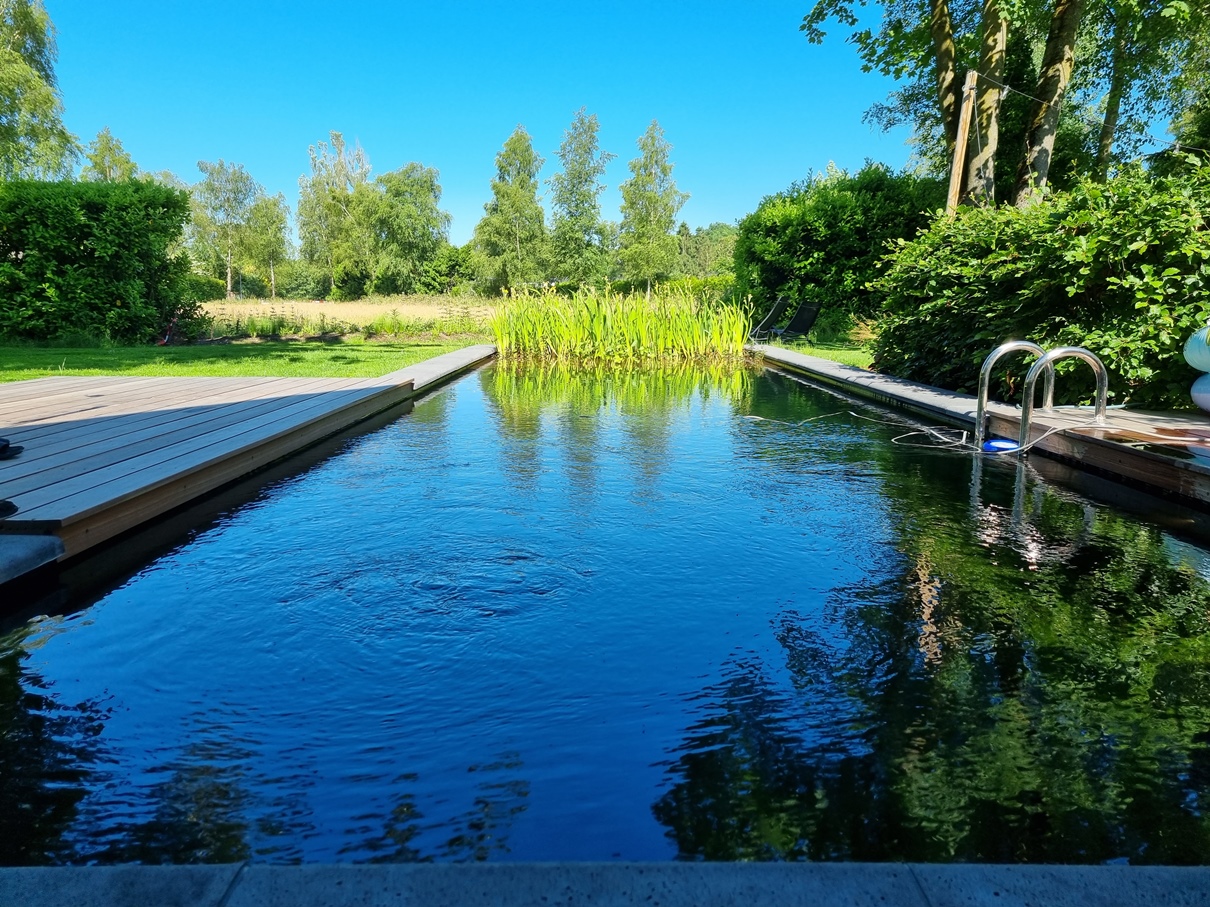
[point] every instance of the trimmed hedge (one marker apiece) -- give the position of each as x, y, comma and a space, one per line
820, 240
1122, 268
93, 259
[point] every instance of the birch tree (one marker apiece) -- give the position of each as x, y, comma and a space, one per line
510, 240
650, 204
578, 238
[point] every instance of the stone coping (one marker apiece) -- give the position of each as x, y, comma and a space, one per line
606, 885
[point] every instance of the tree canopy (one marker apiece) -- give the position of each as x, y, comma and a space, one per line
650, 204
578, 238
108, 161
510, 240
34, 143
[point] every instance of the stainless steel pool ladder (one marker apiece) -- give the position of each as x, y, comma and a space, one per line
985, 372
1046, 364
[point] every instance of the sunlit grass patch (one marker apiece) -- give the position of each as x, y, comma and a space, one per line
268, 359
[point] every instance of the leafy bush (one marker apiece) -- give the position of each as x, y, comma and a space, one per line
91, 258
200, 288
820, 240
1120, 268
708, 290
302, 280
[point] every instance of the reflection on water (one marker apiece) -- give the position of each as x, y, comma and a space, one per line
628, 616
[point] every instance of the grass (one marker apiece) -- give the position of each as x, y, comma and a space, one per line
270, 359
384, 316
846, 352
594, 327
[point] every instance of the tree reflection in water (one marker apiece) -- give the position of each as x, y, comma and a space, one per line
1028, 681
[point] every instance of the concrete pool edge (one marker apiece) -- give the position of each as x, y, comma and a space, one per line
615, 884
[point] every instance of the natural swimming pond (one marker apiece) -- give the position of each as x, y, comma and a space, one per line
541, 617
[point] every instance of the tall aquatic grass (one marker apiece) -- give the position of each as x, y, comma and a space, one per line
609, 328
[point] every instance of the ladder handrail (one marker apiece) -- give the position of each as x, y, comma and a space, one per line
985, 372
1047, 362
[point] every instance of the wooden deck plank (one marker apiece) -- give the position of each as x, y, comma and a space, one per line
106, 454
31, 415
82, 494
116, 516
84, 452
43, 447
52, 395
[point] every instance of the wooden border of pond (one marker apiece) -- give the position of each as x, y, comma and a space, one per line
104, 455
1151, 450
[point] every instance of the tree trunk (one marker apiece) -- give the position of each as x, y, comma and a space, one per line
272, 281
942, 30
230, 287
1113, 99
980, 186
1043, 123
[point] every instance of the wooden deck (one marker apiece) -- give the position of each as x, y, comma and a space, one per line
103, 455
1168, 453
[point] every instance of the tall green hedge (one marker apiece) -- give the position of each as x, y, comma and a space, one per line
820, 240
91, 259
1122, 268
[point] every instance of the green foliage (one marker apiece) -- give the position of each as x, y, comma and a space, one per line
706, 251
604, 327
1120, 268
302, 279
820, 240
451, 267
33, 140
580, 242
201, 288
510, 240
264, 244
222, 207
108, 161
650, 202
91, 258
370, 235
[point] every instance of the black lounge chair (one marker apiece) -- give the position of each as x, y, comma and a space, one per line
764, 330
801, 322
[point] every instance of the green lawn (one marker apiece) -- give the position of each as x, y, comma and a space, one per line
270, 359
847, 353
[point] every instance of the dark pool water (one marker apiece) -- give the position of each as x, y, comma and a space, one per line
593, 618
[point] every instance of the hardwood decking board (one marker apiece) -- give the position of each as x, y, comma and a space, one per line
65, 436
124, 397
86, 452
87, 528
83, 494
49, 396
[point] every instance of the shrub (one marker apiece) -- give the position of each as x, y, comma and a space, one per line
200, 288
93, 259
299, 279
1120, 268
820, 241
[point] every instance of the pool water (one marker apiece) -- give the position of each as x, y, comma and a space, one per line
635, 617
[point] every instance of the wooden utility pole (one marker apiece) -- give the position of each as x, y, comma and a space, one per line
964, 128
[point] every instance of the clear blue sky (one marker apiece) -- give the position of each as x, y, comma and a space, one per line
747, 103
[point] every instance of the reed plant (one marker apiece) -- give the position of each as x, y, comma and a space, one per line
604, 327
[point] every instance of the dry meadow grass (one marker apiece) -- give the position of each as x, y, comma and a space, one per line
385, 315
